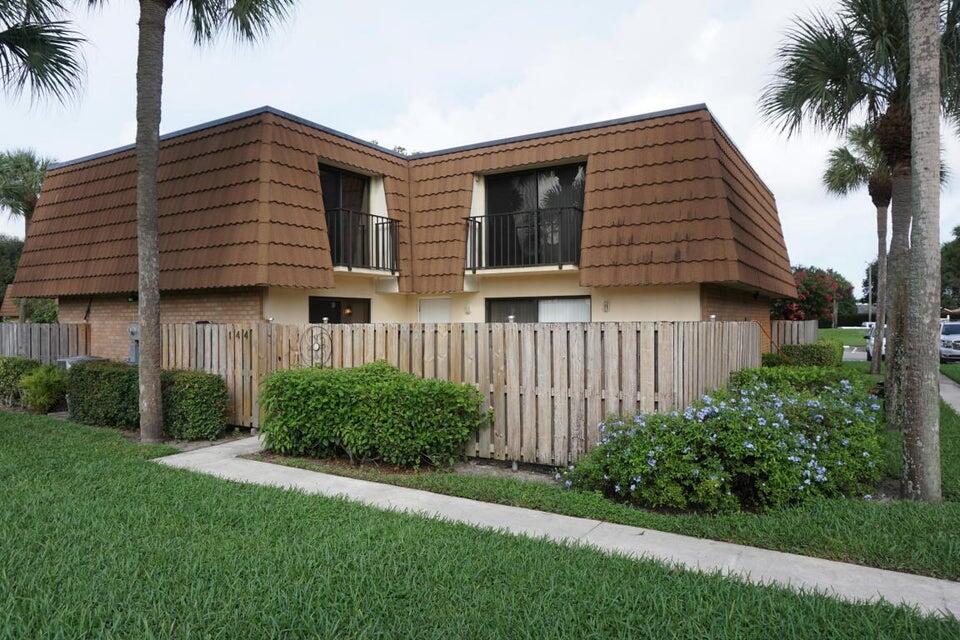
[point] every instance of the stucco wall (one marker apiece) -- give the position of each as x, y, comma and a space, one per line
673, 302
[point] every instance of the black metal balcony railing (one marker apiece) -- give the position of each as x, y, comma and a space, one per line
524, 238
362, 241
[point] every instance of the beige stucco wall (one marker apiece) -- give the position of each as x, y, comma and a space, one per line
674, 302
291, 306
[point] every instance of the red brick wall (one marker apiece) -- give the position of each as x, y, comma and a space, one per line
109, 317
727, 303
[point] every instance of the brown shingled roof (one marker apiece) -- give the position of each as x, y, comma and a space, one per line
669, 199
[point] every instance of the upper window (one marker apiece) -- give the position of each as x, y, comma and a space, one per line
344, 189
542, 190
531, 218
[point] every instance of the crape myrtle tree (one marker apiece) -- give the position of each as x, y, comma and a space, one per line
821, 294
855, 65
248, 20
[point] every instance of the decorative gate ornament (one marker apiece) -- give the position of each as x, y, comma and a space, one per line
316, 346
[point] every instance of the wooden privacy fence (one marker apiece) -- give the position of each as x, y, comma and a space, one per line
549, 385
43, 342
793, 331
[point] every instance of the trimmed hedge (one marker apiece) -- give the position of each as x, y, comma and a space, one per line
194, 404
815, 354
12, 369
43, 388
373, 412
107, 394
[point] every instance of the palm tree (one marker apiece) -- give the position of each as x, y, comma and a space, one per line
922, 393
857, 64
38, 51
861, 163
21, 176
247, 19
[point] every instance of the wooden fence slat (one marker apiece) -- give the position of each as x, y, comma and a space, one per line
511, 357
561, 394
543, 445
526, 427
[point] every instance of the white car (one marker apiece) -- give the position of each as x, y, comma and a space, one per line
871, 338
949, 341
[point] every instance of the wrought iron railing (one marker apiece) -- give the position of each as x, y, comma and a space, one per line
524, 238
362, 241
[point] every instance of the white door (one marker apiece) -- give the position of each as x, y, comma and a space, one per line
434, 310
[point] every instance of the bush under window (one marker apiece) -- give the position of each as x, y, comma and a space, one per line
373, 412
755, 447
107, 394
12, 369
43, 388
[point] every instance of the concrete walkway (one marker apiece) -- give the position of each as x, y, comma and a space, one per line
950, 392
846, 581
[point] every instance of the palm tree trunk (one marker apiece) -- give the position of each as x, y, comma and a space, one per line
896, 294
921, 388
153, 14
881, 315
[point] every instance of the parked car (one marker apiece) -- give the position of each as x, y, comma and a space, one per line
871, 338
949, 341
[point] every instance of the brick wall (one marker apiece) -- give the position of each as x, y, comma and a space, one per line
109, 317
727, 303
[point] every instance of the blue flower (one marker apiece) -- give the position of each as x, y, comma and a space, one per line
748, 445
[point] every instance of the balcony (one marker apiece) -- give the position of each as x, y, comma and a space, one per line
362, 241
542, 237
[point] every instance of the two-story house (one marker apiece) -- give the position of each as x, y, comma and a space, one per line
265, 216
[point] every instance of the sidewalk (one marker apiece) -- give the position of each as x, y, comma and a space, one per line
760, 566
950, 392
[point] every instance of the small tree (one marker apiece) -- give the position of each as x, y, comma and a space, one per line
821, 293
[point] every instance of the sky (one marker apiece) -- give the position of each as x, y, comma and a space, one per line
434, 74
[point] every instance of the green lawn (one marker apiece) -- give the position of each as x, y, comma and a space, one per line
952, 371
99, 542
899, 535
848, 337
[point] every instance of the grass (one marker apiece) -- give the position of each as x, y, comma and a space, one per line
100, 542
952, 371
898, 535
847, 337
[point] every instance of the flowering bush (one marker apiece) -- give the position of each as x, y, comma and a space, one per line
811, 379
748, 448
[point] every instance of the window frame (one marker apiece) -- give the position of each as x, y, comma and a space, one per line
487, 301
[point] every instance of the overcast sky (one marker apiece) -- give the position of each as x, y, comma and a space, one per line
428, 75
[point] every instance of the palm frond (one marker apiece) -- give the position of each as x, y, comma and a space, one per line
42, 56
845, 172
21, 176
245, 19
822, 78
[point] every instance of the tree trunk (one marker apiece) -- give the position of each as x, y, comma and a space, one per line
921, 388
881, 314
896, 294
153, 14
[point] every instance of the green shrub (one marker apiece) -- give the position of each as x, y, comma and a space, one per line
771, 360
786, 378
374, 412
43, 388
815, 354
104, 393
12, 369
750, 448
107, 394
194, 405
